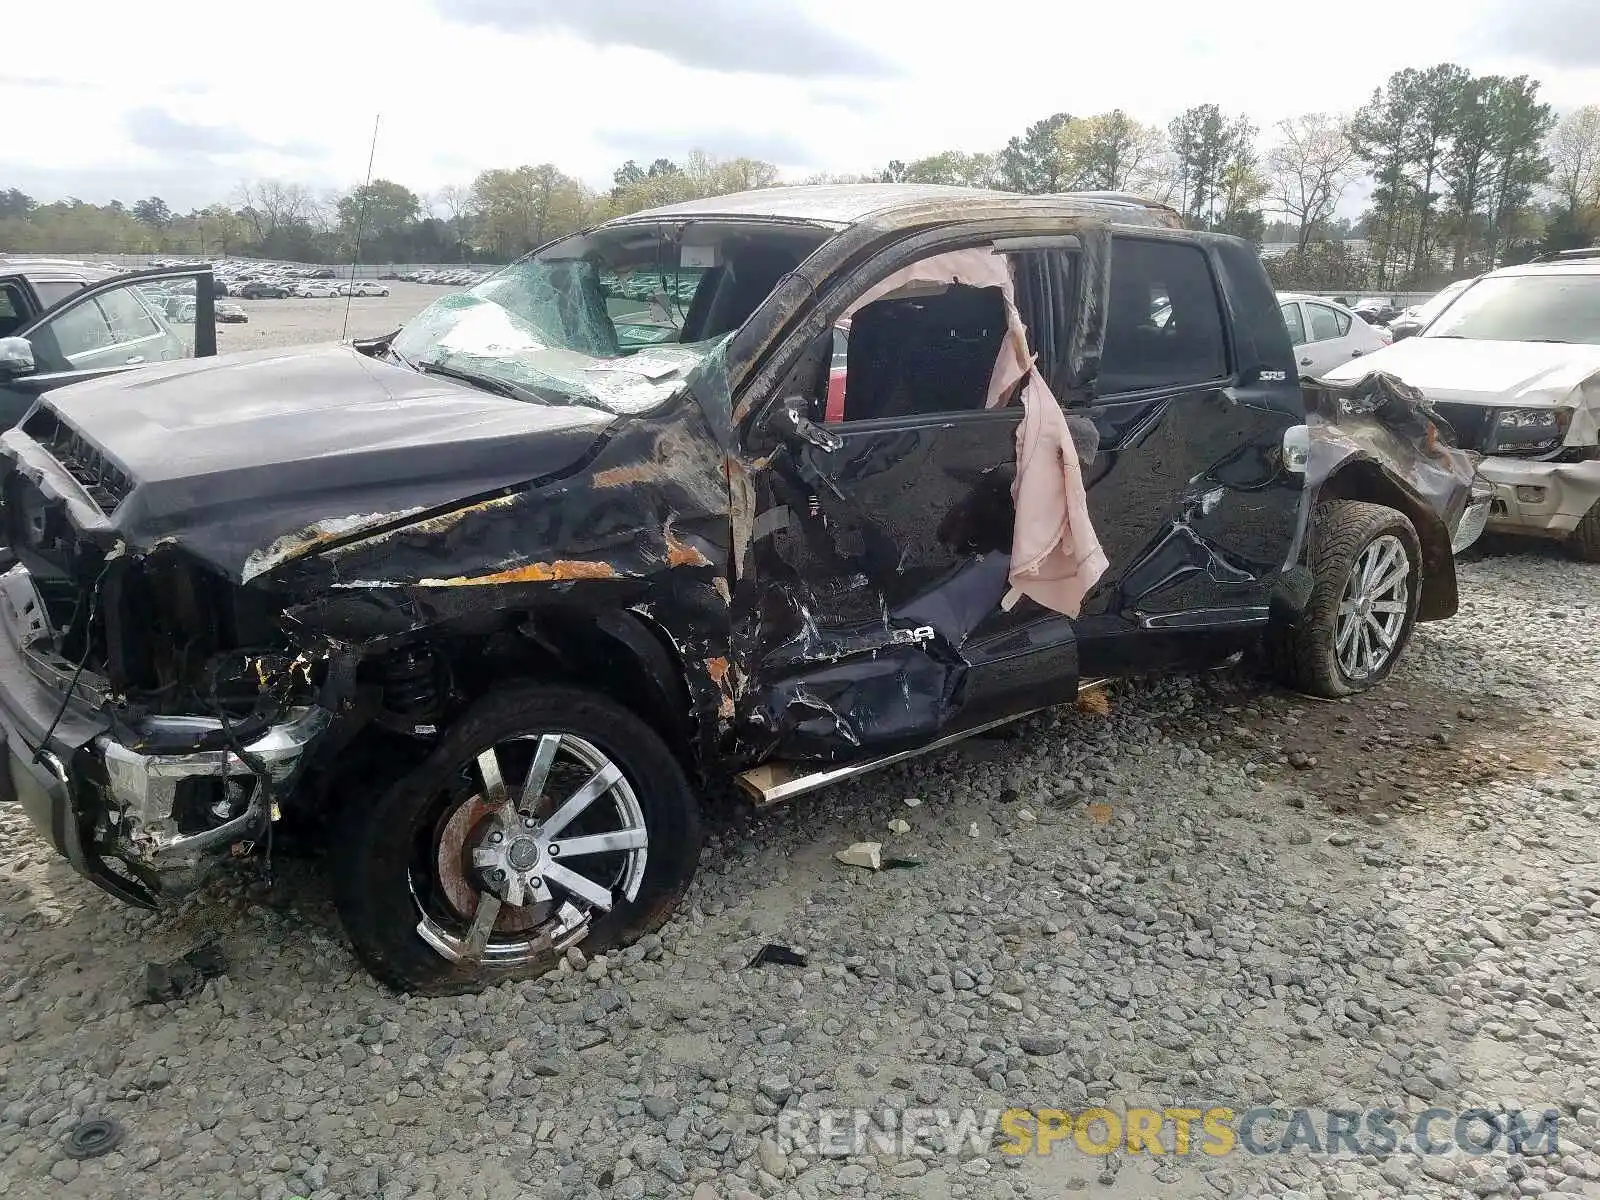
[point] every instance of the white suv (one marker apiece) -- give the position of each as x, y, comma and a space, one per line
1514, 365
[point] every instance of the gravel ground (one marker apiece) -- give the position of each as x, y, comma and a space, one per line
295, 321
1214, 892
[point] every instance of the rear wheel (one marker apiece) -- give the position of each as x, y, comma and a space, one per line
547, 817
1366, 561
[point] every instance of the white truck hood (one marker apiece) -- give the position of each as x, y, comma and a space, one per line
1502, 374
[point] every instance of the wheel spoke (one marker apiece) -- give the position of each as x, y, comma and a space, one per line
1389, 606
494, 786
483, 856
1382, 634
597, 785
482, 926
580, 886
603, 843
1350, 646
1394, 562
1392, 578
1347, 629
1370, 568
539, 771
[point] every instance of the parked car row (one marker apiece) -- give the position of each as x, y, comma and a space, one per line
248, 279
456, 277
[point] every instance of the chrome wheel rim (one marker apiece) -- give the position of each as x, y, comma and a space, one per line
548, 836
1373, 608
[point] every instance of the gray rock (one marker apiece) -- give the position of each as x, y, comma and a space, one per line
1040, 1045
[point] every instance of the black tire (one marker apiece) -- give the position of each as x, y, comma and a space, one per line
1583, 543
375, 841
1342, 530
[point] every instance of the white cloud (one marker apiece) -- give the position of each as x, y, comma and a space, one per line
228, 92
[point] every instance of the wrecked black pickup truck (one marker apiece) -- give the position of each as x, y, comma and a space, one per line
496, 596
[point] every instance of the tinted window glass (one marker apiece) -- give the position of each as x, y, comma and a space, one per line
1047, 289
52, 292
1293, 323
126, 314
1344, 320
1163, 323
80, 329
1324, 323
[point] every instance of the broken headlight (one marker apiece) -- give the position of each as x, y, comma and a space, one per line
1529, 431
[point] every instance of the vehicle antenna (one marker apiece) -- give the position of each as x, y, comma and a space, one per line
361, 223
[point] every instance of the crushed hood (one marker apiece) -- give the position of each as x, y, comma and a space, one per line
1463, 371
252, 459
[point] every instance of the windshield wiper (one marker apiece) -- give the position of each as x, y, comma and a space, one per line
526, 393
1554, 341
487, 383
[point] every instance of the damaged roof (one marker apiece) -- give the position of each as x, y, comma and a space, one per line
841, 205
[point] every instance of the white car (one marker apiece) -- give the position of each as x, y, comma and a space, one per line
1325, 333
365, 287
1513, 364
316, 287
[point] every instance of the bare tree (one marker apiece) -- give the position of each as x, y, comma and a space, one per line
1310, 167
1574, 153
455, 201
270, 204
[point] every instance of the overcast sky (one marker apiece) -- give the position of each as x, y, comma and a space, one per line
186, 98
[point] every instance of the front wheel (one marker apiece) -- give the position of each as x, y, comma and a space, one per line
1367, 565
546, 817
1583, 543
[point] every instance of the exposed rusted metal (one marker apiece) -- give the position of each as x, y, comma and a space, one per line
560, 571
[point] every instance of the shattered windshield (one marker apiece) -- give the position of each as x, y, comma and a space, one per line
1525, 308
616, 318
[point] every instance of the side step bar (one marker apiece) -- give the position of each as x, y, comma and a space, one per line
773, 783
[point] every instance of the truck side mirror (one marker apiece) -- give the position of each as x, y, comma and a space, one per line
16, 357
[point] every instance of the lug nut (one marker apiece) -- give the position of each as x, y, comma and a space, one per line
554, 849
528, 822
497, 837
535, 884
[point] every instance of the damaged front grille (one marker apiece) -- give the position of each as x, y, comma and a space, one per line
108, 486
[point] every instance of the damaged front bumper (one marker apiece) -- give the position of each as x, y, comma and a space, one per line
146, 826
1546, 499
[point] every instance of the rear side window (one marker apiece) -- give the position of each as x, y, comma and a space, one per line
1325, 323
1164, 320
